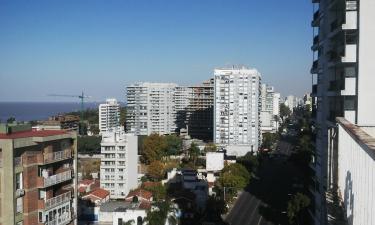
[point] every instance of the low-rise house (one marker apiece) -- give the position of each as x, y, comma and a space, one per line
88, 185
90, 204
140, 195
119, 212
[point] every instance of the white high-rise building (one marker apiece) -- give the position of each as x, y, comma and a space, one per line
109, 116
119, 163
236, 109
343, 86
269, 108
151, 108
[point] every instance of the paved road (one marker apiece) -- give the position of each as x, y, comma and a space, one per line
264, 200
246, 211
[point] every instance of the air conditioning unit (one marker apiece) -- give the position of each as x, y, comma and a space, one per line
20, 192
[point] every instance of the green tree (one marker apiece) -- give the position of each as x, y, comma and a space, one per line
11, 119
249, 161
158, 191
173, 145
165, 211
123, 115
284, 111
156, 170
94, 129
153, 148
129, 222
194, 153
238, 170
269, 139
210, 147
296, 206
88, 144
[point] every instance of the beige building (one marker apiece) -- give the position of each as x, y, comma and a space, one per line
37, 176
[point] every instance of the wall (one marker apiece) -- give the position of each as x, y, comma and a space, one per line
356, 178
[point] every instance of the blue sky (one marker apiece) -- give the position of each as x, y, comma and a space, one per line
100, 46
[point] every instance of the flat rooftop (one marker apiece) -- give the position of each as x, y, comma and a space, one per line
31, 133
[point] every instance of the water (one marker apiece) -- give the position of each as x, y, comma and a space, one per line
26, 111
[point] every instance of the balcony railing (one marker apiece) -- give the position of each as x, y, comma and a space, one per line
58, 178
63, 219
58, 200
57, 156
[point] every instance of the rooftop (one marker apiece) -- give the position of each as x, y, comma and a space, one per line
31, 133
120, 206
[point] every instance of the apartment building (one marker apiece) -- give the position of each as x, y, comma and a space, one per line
60, 122
236, 109
343, 79
37, 176
119, 163
151, 108
269, 108
181, 98
200, 111
109, 115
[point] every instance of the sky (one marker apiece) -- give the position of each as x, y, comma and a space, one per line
101, 46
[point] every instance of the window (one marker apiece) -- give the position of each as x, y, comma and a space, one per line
19, 205
19, 181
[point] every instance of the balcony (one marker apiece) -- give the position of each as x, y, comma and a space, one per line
57, 178
58, 200
350, 54
316, 19
314, 68
62, 219
57, 156
349, 86
315, 43
314, 90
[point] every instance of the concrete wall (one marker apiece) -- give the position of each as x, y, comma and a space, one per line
366, 65
356, 179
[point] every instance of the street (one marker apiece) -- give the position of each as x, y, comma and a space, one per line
265, 199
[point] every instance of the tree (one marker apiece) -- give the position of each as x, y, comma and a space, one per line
249, 161
284, 111
153, 148
296, 206
269, 139
88, 144
94, 129
194, 153
156, 170
165, 211
123, 115
173, 145
158, 191
210, 147
129, 222
234, 176
238, 170
11, 119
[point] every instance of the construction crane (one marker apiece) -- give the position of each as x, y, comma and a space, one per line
82, 97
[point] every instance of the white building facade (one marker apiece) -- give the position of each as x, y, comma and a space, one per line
119, 163
343, 86
151, 108
270, 108
236, 109
109, 115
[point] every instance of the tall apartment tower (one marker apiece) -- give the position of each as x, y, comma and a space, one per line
269, 108
343, 83
37, 176
236, 109
200, 111
119, 163
181, 98
109, 115
151, 108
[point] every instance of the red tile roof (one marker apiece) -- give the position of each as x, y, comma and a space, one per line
86, 182
150, 184
140, 193
100, 193
145, 205
82, 189
26, 134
